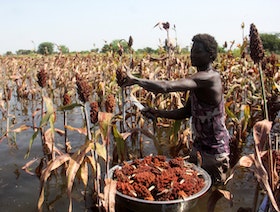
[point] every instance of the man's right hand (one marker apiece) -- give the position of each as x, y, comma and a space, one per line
150, 113
124, 78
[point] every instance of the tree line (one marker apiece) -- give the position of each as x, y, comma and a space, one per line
271, 43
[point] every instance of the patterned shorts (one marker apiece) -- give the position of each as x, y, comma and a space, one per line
217, 166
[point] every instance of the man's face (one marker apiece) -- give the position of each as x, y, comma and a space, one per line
199, 55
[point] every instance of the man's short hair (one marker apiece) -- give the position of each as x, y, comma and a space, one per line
209, 43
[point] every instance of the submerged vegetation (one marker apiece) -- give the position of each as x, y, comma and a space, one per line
113, 129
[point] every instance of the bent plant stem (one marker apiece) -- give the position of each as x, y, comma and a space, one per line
95, 157
65, 120
263, 92
8, 118
41, 128
270, 157
33, 110
123, 109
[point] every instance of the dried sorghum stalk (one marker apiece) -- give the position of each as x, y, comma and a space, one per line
256, 47
8, 93
110, 103
94, 112
83, 89
257, 54
42, 78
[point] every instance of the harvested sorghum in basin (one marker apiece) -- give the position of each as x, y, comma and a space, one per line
156, 179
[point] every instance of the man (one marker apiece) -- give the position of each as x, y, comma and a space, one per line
205, 105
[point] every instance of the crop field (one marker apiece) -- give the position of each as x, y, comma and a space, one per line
71, 121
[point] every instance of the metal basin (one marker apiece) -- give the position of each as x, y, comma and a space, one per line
128, 203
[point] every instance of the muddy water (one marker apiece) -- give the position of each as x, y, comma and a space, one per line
19, 191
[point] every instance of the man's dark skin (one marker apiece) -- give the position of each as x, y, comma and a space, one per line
201, 82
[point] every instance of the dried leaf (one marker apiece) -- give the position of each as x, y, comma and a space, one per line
260, 132
27, 165
52, 165
246, 161
101, 150
79, 130
227, 195
21, 128
84, 173
104, 120
74, 165
75, 162
109, 195
49, 141
215, 196
92, 162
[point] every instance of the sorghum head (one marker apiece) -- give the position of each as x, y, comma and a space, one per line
256, 47
110, 103
94, 112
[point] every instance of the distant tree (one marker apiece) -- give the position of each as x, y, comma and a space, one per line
84, 52
95, 50
106, 48
271, 42
116, 46
63, 49
9, 53
221, 49
185, 50
149, 50
46, 48
23, 52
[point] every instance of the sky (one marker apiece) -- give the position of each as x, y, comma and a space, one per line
86, 24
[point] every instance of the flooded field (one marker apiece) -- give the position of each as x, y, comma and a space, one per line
20, 190
22, 91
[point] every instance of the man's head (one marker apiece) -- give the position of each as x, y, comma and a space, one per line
205, 47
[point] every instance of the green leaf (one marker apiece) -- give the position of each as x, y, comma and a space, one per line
230, 113
247, 116
31, 143
101, 150
84, 173
120, 143
175, 129
232, 89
